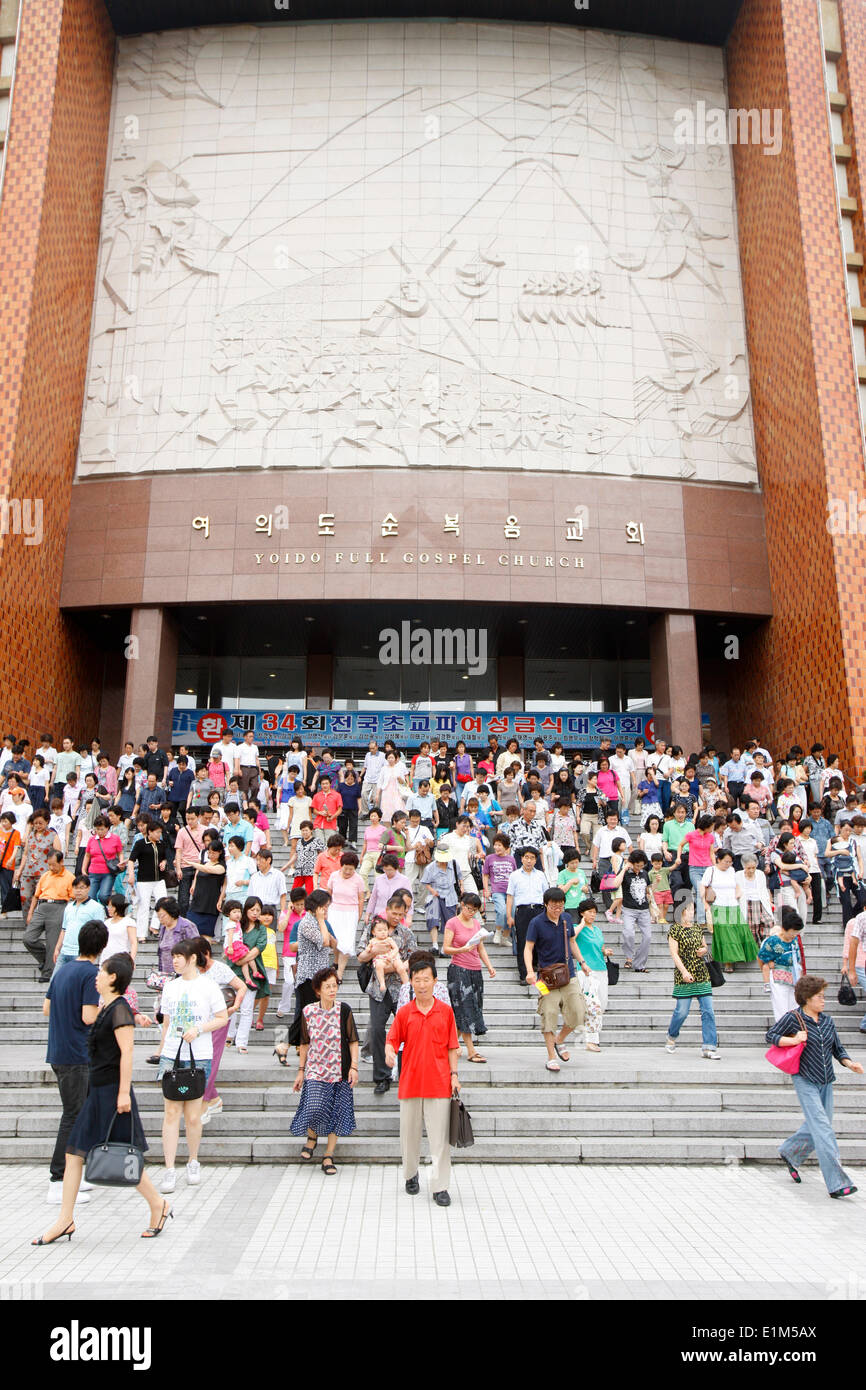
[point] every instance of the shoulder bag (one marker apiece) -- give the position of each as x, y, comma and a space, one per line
612, 971
184, 1083
114, 1165
709, 891
557, 976
787, 1058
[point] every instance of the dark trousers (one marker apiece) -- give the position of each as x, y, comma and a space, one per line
380, 1012
665, 794
522, 917
5, 883
846, 886
816, 897
72, 1085
184, 888
347, 824
735, 790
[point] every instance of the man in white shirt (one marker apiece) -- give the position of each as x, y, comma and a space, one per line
374, 761
126, 759
248, 765
267, 883
48, 753
624, 768
184, 752
240, 868
524, 898
16, 800
662, 763
602, 847
228, 752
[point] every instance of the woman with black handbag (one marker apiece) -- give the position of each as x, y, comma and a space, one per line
691, 981
110, 1107
193, 1009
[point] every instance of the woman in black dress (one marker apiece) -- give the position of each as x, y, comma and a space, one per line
208, 888
110, 1098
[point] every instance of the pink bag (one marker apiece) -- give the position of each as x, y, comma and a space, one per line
786, 1058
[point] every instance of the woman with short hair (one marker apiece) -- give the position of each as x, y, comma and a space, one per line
193, 1009
813, 1083
254, 936
121, 929
110, 1103
327, 1070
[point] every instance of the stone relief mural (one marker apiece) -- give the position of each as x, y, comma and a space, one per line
455, 245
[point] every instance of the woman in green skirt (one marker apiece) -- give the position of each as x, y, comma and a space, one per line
721, 893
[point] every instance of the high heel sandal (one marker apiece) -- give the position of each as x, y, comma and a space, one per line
70, 1232
153, 1231
282, 1057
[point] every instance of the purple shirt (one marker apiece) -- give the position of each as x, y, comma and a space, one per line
181, 930
499, 868
385, 888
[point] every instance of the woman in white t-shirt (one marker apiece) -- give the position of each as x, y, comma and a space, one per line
193, 1008
122, 931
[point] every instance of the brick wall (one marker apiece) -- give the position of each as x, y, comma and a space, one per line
801, 676
49, 226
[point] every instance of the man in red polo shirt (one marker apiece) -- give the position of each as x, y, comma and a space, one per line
326, 807
428, 1078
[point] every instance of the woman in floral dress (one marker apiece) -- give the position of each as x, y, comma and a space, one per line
39, 842
327, 1070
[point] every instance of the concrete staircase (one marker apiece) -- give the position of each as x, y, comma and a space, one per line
633, 1102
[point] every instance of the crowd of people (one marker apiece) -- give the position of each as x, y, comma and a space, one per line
728, 855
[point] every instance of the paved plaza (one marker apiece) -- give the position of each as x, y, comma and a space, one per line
633, 1232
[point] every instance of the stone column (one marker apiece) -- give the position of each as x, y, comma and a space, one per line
320, 680
148, 704
676, 688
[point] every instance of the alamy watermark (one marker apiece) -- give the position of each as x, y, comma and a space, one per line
846, 516
22, 516
714, 125
439, 646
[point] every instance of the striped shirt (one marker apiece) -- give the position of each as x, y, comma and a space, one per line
822, 1045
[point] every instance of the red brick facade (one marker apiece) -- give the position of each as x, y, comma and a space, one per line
800, 676
803, 675
49, 229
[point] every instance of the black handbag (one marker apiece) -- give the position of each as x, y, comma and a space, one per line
184, 1083
114, 1165
460, 1125
12, 901
612, 972
365, 975
717, 974
846, 996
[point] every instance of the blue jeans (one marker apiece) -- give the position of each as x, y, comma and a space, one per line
499, 909
696, 878
709, 1036
861, 980
816, 1102
100, 888
665, 794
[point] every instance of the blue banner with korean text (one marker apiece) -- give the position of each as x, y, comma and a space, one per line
336, 729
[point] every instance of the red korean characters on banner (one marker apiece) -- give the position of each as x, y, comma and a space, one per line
211, 728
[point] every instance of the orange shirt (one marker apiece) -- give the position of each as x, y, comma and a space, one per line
324, 866
7, 849
427, 1040
55, 886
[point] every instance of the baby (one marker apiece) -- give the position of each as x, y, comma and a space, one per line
386, 957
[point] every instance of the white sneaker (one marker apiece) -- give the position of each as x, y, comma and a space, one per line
671, 1045
712, 1054
85, 1186
497, 938
55, 1192
193, 1172
169, 1181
